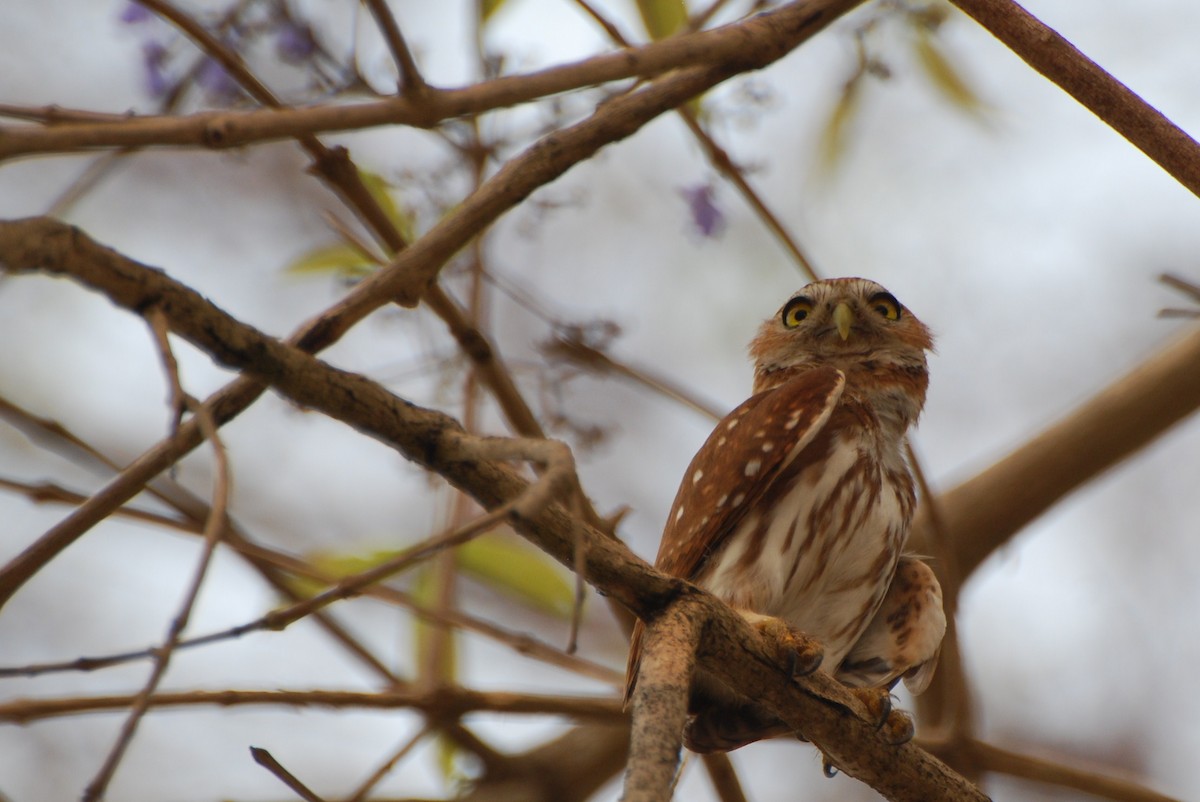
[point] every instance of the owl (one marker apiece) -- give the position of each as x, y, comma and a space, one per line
796, 509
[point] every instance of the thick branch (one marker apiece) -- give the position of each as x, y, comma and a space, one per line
982, 513
1116, 104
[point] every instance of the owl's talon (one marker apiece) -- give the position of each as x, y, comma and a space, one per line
827, 766
799, 653
894, 725
804, 661
898, 729
877, 701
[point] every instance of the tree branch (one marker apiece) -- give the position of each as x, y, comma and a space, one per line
1083, 79
660, 701
446, 702
739, 45
982, 513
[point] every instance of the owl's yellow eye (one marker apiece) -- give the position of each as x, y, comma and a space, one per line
886, 304
796, 310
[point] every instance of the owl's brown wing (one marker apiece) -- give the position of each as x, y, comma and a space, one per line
732, 470
740, 459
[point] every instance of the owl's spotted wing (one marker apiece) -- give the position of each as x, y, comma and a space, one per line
732, 470
737, 463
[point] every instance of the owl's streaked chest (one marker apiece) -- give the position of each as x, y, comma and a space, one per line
834, 526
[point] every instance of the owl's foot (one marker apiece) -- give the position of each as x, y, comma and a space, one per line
800, 654
896, 726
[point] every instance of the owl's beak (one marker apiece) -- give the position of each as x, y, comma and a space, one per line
843, 318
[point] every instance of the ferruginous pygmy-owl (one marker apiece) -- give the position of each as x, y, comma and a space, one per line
797, 507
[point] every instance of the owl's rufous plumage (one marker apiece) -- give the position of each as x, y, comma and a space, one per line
797, 507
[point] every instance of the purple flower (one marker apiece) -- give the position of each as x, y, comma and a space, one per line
708, 219
218, 84
294, 42
134, 13
154, 62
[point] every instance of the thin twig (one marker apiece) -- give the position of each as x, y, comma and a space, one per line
386, 766
264, 758
719, 158
411, 83
212, 535
55, 437
445, 702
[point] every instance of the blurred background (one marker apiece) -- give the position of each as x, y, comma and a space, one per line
1022, 230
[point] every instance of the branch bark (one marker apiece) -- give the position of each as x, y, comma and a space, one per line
982, 513
739, 45
1042, 48
660, 701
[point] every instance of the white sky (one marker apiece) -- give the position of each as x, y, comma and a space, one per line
1029, 240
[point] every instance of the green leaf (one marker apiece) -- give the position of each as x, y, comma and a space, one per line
516, 569
342, 260
943, 74
447, 753
662, 17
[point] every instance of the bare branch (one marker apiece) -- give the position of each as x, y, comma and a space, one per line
1102, 784
724, 777
1054, 57
737, 44
660, 701
982, 513
445, 702
265, 759
214, 529
411, 82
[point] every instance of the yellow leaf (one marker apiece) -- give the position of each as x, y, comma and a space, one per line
425, 592
662, 17
837, 127
381, 191
943, 74
343, 260
516, 569
487, 8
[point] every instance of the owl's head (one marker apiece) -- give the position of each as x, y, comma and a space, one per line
852, 324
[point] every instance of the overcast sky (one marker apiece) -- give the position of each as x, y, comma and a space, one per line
1028, 237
